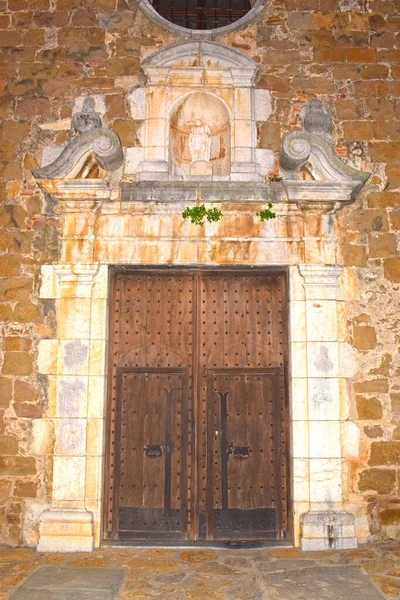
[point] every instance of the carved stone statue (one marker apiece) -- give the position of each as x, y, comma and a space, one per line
88, 118
200, 141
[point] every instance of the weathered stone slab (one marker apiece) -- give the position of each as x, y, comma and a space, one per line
71, 582
315, 583
26, 594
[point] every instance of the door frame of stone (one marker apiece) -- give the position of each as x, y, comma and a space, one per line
77, 392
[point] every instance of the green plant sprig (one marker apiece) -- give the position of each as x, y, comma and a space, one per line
196, 214
267, 213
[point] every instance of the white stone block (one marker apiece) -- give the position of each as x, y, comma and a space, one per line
323, 399
47, 357
73, 357
243, 154
137, 103
326, 480
42, 436
321, 320
96, 398
324, 439
298, 395
323, 544
263, 105
298, 359
297, 317
97, 358
70, 437
133, 158
73, 318
66, 531
69, 478
100, 287
94, 480
265, 158
300, 443
296, 288
350, 434
72, 396
322, 359
98, 325
156, 130
243, 103
348, 366
243, 133
48, 286
301, 480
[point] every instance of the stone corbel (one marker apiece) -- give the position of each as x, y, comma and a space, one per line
77, 278
78, 178
314, 176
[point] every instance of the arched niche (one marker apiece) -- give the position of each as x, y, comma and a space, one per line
215, 81
199, 137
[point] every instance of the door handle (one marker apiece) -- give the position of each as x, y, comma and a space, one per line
241, 452
153, 450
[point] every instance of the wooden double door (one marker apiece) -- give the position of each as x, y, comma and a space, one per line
197, 420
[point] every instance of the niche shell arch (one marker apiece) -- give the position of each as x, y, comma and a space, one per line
199, 117
218, 83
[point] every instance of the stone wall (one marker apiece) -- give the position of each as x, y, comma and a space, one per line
345, 53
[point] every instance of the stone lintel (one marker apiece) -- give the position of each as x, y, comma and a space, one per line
205, 191
327, 530
66, 531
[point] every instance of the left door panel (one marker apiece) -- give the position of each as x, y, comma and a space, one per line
149, 478
151, 429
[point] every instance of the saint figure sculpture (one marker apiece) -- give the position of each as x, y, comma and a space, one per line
200, 141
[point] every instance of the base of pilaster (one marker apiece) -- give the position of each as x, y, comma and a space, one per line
66, 531
327, 530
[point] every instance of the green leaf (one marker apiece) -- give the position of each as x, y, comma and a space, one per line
196, 214
214, 214
267, 213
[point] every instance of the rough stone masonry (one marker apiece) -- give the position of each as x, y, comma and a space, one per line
346, 54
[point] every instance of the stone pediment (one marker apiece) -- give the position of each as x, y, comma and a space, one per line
200, 56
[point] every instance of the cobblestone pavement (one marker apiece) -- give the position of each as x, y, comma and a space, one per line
371, 572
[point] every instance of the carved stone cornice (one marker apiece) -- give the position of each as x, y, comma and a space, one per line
313, 174
78, 195
321, 280
76, 279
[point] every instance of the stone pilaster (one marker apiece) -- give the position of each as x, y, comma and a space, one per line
75, 363
325, 525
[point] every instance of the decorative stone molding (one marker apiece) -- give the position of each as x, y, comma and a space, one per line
75, 361
78, 279
77, 177
154, 16
313, 174
318, 277
194, 89
79, 195
325, 525
66, 531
